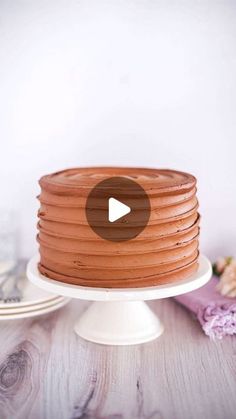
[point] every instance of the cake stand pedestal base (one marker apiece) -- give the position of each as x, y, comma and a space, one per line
120, 316
119, 323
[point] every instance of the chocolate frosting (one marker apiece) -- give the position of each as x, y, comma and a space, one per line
165, 251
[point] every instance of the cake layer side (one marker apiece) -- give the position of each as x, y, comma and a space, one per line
85, 233
90, 273
152, 280
76, 262
75, 200
91, 247
78, 216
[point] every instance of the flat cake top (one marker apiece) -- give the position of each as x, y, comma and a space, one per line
162, 180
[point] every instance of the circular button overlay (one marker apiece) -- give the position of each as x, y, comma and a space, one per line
118, 209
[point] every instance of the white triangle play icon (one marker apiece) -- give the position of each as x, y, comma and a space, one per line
116, 209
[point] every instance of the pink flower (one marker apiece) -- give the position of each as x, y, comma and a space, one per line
227, 283
221, 264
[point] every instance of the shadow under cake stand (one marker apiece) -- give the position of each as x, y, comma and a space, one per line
120, 316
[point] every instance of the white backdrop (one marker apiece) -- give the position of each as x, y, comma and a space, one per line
150, 83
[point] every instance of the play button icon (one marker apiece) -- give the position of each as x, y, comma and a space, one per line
117, 209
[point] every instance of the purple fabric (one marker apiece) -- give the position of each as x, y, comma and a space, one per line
216, 313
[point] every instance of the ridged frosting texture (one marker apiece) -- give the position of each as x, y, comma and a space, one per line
165, 251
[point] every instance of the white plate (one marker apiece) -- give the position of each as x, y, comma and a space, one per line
33, 313
24, 309
31, 295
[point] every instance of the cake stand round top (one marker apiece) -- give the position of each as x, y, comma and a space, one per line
197, 280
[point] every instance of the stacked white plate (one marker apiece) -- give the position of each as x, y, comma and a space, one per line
34, 302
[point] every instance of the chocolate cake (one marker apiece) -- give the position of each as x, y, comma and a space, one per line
165, 251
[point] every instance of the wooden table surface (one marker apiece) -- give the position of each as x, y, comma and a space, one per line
48, 372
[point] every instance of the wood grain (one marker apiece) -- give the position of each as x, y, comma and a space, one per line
47, 372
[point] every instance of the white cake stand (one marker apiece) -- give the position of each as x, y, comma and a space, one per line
120, 316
